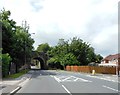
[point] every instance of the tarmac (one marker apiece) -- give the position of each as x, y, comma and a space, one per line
10, 86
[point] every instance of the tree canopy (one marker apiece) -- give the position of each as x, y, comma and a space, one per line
16, 40
43, 47
73, 52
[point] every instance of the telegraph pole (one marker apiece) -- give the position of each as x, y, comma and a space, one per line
26, 28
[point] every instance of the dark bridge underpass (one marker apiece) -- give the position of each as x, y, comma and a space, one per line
42, 58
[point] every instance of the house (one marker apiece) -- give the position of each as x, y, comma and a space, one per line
111, 60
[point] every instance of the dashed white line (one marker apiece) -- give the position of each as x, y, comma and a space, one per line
66, 89
111, 88
57, 79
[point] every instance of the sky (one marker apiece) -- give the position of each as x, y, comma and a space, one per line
93, 21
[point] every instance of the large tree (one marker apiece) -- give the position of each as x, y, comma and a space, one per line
43, 47
75, 52
16, 40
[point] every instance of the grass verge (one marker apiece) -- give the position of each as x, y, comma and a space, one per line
17, 74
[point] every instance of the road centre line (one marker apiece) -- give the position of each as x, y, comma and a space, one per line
66, 89
56, 79
111, 88
62, 85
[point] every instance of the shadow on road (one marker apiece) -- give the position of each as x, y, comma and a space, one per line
38, 73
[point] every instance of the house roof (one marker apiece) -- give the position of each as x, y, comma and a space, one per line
111, 57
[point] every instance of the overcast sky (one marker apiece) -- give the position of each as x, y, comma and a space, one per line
94, 21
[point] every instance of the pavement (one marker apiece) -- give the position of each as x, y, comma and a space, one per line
9, 86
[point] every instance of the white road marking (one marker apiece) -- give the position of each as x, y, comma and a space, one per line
111, 88
61, 77
66, 79
69, 79
81, 79
76, 79
66, 89
107, 79
57, 79
15, 90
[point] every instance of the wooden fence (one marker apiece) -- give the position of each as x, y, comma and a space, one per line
88, 69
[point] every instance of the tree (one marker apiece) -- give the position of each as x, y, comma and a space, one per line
98, 58
16, 40
69, 59
43, 47
80, 49
73, 52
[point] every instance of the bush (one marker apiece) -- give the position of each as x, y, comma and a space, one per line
54, 63
5, 64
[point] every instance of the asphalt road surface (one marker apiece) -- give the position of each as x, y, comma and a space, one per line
52, 81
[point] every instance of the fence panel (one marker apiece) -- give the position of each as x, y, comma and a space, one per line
88, 69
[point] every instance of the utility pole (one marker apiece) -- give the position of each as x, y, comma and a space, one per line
26, 28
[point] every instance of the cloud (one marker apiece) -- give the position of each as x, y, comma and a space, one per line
94, 21
36, 5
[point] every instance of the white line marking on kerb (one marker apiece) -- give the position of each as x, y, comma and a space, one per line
111, 88
66, 89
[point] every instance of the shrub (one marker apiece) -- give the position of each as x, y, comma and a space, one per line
5, 64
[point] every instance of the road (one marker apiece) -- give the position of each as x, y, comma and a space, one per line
52, 81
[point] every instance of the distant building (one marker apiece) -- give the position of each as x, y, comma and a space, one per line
111, 60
